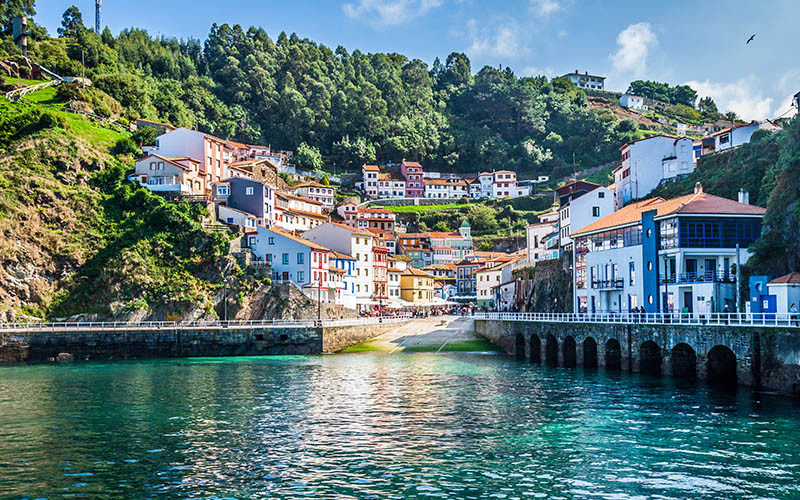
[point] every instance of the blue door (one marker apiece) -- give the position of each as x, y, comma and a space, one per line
769, 306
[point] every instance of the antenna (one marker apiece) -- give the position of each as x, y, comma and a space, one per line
97, 5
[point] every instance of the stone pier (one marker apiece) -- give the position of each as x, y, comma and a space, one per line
178, 342
761, 357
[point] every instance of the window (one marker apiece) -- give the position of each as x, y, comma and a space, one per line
595, 211
271, 240
601, 194
285, 259
300, 276
301, 258
248, 190
632, 273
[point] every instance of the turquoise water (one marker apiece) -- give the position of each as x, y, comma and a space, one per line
376, 426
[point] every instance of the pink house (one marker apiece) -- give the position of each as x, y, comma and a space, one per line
415, 186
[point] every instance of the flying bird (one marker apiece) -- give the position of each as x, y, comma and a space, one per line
750, 39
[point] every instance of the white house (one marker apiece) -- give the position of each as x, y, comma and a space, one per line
210, 150
234, 217
536, 235
632, 101
646, 163
677, 255
786, 290
586, 81
317, 192
579, 212
343, 267
735, 136
295, 213
294, 259
391, 184
370, 175
354, 242
504, 184
178, 175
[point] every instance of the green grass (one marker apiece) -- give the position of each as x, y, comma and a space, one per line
21, 81
46, 96
603, 177
368, 346
95, 134
409, 209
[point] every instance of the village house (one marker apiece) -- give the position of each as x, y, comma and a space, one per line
580, 204
646, 163
344, 268
295, 213
294, 259
211, 151
633, 102
446, 188
317, 192
391, 184
370, 175
397, 264
412, 172
487, 278
261, 170
416, 286
182, 175
349, 241
734, 136
677, 255
244, 195
375, 218
536, 235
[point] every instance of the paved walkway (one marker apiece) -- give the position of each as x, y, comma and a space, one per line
437, 334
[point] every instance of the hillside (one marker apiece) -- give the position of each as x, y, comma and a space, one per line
768, 168
79, 238
352, 106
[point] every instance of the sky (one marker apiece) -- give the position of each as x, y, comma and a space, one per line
701, 44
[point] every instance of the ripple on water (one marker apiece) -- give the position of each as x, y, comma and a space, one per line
376, 426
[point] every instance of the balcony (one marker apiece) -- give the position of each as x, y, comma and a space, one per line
615, 284
706, 277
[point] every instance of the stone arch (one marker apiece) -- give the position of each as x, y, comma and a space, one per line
569, 352
519, 350
683, 361
551, 350
650, 358
721, 366
590, 353
536, 349
613, 355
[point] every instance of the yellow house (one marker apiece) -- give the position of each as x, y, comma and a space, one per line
416, 286
182, 175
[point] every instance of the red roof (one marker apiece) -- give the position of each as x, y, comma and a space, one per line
371, 168
788, 279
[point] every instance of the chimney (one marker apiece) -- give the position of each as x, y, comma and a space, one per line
698, 188
744, 196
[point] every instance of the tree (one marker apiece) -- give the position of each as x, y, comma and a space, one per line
325, 181
731, 116
308, 157
441, 226
707, 106
71, 23
145, 136
9, 9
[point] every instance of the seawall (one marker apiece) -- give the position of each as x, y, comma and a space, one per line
178, 342
764, 358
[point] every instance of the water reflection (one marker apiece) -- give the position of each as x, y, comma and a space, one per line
364, 425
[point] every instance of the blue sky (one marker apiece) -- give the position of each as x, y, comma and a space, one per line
699, 43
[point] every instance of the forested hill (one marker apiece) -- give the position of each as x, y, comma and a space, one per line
354, 107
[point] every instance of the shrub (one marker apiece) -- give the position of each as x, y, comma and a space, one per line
52, 120
125, 146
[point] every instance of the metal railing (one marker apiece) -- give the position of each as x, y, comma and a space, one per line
107, 326
706, 277
615, 284
783, 320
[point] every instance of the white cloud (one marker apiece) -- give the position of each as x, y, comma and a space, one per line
544, 8
502, 40
635, 43
389, 12
744, 96
536, 71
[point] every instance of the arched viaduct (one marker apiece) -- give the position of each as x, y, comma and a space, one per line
767, 358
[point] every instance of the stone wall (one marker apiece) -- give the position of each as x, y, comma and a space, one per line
172, 343
767, 358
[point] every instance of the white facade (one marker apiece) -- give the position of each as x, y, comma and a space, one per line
350, 241
317, 192
582, 211
785, 294
647, 162
736, 136
236, 217
536, 234
370, 178
632, 102
586, 81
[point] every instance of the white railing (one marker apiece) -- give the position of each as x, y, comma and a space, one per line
106, 326
783, 320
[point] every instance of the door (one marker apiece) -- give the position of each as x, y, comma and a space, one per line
691, 269
711, 267
687, 301
727, 270
769, 306
593, 305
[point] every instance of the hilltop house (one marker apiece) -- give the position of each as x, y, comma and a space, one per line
412, 172
370, 175
586, 81
633, 102
734, 136
211, 151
